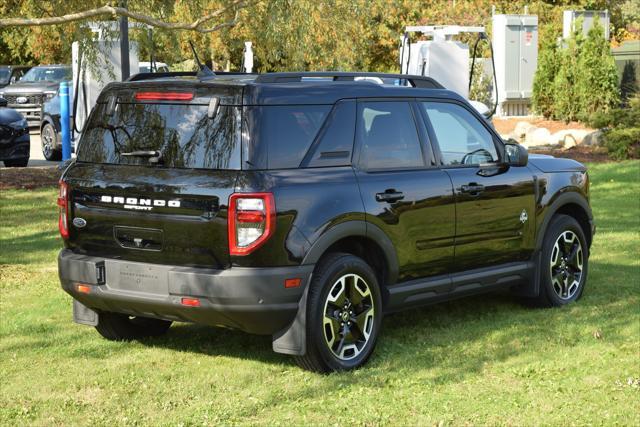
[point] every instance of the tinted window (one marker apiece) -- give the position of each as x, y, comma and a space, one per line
53, 74
335, 142
279, 136
387, 136
462, 139
184, 135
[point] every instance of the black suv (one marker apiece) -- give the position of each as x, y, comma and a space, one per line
305, 206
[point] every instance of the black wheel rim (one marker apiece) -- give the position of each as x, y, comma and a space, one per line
47, 141
566, 265
348, 317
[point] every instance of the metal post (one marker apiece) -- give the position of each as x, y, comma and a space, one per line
124, 44
64, 121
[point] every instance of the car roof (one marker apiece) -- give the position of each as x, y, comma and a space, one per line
300, 88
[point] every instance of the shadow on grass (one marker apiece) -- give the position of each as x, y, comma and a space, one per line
30, 248
456, 338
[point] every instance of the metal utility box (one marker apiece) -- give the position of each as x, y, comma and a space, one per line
569, 18
515, 44
442, 58
94, 78
445, 61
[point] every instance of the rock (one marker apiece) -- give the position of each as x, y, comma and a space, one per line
570, 137
536, 137
521, 130
568, 141
594, 138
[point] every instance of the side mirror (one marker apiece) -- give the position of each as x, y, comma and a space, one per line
517, 155
3, 102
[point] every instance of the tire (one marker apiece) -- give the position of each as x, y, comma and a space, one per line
121, 327
49, 143
17, 163
346, 288
564, 263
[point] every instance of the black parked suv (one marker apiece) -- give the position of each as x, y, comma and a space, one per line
305, 206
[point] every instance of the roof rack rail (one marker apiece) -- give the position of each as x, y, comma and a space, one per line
150, 76
415, 81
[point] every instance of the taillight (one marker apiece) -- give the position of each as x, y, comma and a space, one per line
251, 221
63, 203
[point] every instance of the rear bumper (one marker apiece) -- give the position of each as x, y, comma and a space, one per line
253, 300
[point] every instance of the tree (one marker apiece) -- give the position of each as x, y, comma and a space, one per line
565, 96
597, 82
548, 65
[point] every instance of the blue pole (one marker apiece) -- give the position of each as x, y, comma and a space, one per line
64, 121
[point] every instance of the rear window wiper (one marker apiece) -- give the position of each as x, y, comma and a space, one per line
154, 155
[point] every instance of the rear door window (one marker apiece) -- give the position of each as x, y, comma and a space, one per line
334, 143
183, 134
279, 136
387, 136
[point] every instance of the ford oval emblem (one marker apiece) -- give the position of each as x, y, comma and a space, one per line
21, 100
79, 222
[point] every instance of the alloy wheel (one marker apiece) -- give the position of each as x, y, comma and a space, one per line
47, 141
348, 316
566, 265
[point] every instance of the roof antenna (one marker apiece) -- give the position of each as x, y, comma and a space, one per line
204, 70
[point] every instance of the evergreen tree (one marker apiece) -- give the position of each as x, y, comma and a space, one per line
597, 82
565, 94
548, 65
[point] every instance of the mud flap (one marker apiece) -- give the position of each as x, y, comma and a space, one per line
293, 339
84, 315
531, 288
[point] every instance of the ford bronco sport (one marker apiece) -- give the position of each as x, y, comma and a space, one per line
305, 206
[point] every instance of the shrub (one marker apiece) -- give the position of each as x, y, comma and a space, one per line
548, 64
576, 80
566, 103
623, 143
597, 80
622, 130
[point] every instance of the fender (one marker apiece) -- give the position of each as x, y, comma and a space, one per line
561, 200
532, 289
353, 229
293, 339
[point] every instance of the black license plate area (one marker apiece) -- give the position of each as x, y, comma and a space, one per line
148, 239
143, 278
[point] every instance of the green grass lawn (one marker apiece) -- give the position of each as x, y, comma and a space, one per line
482, 360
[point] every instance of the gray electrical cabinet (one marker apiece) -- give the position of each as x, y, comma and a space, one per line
515, 44
569, 18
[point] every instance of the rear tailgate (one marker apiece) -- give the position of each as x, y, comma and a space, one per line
176, 217
168, 207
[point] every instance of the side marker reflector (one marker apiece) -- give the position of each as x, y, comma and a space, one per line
292, 283
191, 302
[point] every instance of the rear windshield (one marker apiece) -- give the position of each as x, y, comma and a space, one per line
183, 135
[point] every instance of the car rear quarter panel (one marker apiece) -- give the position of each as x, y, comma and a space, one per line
308, 203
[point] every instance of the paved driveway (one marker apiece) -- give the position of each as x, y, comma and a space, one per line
36, 159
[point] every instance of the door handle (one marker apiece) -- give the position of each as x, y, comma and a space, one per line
389, 196
472, 189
